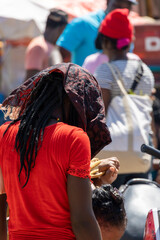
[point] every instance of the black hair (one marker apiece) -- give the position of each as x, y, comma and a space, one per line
56, 18
108, 206
102, 38
98, 41
47, 95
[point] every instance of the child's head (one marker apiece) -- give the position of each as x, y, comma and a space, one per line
109, 210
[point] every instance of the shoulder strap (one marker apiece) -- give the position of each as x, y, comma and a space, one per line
137, 78
118, 78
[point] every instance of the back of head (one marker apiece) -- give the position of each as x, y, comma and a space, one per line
117, 26
56, 18
108, 207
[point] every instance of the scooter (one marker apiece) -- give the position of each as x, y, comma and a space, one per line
142, 204
152, 229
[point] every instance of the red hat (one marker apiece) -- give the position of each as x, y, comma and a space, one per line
117, 25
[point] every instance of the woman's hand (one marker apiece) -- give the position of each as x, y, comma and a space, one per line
111, 167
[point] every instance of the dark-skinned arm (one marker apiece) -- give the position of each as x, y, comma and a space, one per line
3, 213
66, 55
84, 224
106, 98
153, 128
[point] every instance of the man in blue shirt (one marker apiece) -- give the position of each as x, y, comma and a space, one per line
78, 39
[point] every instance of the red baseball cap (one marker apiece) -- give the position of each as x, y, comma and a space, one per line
117, 25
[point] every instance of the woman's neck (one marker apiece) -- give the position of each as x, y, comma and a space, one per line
56, 116
118, 56
114, 55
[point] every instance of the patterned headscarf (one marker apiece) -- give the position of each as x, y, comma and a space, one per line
82, 90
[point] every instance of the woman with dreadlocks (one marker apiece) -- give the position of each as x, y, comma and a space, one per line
57, 125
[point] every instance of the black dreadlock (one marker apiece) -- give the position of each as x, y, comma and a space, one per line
47, 95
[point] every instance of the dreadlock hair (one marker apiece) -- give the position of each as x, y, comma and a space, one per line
47, 95
108, 206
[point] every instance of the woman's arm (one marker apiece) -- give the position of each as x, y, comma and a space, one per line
84, 224
3, 212
3, 209
66, 55
154, 132
2, 188
106, 98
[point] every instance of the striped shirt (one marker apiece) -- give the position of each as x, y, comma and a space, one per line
128, 70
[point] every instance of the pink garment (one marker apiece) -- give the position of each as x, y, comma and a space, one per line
38, 54
94, 60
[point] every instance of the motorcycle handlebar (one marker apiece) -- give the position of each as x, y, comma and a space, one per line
150, 150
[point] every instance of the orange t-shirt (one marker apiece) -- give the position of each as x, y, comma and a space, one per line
41, 209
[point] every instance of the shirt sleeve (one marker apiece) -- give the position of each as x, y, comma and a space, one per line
80, 155
88, 64
73, 35
104, 76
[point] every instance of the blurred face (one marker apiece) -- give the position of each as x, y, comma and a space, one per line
112, 233
113, 4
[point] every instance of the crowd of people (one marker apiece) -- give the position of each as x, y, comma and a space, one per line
56, 123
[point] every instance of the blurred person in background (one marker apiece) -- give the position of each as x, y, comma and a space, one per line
40, 51
116, 33
78, 39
